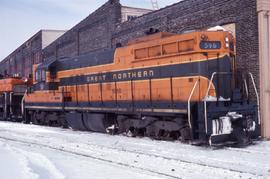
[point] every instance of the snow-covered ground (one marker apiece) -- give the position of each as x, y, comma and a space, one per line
28, 151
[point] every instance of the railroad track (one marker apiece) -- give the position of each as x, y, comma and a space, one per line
246, 150
182, 160
118, 150
90, 156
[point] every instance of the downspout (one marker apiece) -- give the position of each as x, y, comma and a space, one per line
268, 41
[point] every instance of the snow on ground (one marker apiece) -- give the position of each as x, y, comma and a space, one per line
28, 151
27, 162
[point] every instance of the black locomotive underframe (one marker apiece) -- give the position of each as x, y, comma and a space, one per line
139, 115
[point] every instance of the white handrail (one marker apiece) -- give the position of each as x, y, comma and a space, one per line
5, 107
222, 73
10, 104
206, 95
209, 86
189, 99
212, 77
22, 102
257, 96
246, 88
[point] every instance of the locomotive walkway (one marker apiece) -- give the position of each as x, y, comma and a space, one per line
123, 157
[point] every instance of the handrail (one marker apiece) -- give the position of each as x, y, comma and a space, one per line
189, 99
10, 103
22, 102
207, 92
226, 73
257, 96
212, 77
5, 107
246, 88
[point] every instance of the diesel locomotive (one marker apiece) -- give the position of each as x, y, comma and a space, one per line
12, 91
163, 85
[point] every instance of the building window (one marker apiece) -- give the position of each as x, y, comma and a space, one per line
130, 18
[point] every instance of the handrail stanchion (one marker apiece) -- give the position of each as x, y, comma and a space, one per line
22, 102
206, 95
189, 99
257, 96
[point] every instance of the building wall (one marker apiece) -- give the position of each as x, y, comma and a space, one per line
48, 36
19, 62
91, 34
94, 33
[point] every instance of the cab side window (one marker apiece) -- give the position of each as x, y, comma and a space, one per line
40, 75
37, 75
43, 75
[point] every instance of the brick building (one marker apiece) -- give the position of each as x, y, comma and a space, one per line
93, 33
19, 62
113, 23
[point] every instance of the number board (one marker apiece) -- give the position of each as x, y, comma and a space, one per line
210, 45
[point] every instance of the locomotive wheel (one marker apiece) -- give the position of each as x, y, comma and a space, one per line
175, 135
35, 122
164, 130
131, 132
185, 135
34, 119
64, 123
165, 135
140, 132
27, 117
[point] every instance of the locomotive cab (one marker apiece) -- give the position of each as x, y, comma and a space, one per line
45, 90
45, 75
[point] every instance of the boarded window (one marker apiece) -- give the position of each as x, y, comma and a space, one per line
154, 51
187, 45
141, 53
170, 48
